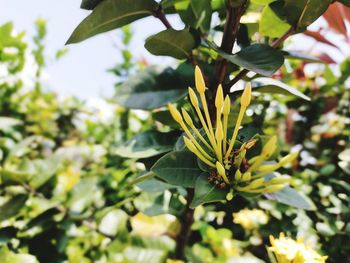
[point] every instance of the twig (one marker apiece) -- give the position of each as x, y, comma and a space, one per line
233, 18
159, 13
275, 44
186, 224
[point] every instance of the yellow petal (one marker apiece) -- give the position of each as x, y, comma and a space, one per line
270, 147
288, 158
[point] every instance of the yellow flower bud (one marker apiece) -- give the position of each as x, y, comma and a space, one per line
246, 96
246, 176
200, 84
227, 106
222, 172
267, 168
175, 113
193, 97
256, 183
189, 144
238, 175
273, 188
187, 117
219, 133
220, 168
270, 147
250, 144
288, 158
280, 180
219, 99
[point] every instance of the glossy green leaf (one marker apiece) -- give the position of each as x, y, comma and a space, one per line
142, 255
302, 13
111, 14
258, 58
12, 206
178, 168
6, 123
268, 85
147, 144
154, 88
154, 185
89, 4
171, 42
205, 192
272, 25
291, 197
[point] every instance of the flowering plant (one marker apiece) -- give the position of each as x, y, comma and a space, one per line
227, 158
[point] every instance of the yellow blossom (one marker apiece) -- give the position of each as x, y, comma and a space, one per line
250, 218
287, 250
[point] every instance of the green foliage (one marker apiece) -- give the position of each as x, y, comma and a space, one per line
80, 184
111, 14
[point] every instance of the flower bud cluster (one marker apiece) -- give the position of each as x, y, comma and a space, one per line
215, 149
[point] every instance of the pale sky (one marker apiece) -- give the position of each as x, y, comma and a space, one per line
81, 72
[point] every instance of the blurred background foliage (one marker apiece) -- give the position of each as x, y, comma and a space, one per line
68, 192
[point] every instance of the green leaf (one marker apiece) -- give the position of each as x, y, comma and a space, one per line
12, 207
178, 168
301, 56
271, 25
142, 255
171, 42
82, 195
7, 256
291, 197
89, 4
345, 2
302, 13
206, 192
153, 186
258, 58
202, 10
6, 123
148, 144
111, 14
345, 155
268, 85
113, 221
154, 88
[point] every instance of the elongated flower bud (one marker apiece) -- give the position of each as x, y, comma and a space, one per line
246, 96
219, 133
220, 168
268, 168
187, 117
219, 99
193, 97
189, 144
175, 113
200, 84
221, 171
288, 158
238, 175
256, 183
227, 106
270, 147
280, 180
246, 176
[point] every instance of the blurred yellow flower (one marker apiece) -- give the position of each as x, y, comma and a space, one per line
287, 250
250, 218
